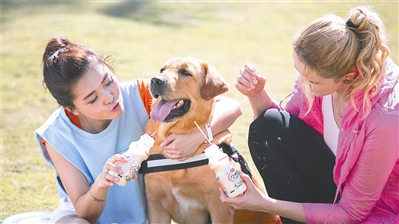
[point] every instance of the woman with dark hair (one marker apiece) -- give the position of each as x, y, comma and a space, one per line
98, 119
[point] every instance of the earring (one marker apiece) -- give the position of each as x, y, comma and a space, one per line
346, 81
75, 112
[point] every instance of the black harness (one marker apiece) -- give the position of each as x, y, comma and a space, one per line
158, 163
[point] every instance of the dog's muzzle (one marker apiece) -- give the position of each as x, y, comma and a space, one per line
158, 86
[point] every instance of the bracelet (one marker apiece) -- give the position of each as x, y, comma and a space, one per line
96, 199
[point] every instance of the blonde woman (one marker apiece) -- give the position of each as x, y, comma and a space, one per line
331, 154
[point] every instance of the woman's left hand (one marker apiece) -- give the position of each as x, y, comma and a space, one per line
252, 199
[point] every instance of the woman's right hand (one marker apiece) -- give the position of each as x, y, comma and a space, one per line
252, 199
105, 178
249, 82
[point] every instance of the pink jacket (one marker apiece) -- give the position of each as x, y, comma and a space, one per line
367, 164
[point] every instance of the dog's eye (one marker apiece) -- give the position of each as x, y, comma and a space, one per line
184, 72
162, 69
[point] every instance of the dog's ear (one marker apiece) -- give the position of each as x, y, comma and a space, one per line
214, 83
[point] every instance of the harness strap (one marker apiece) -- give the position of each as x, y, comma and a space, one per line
158, 163
233, 153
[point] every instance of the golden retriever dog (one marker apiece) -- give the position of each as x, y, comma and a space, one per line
184, 91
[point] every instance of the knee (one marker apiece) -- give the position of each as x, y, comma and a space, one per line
270, 120
265, 130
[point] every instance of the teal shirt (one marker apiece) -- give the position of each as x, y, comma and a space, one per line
89, 153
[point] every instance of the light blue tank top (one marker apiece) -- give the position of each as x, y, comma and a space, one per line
89, 153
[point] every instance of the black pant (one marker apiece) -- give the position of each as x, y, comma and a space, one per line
293, 159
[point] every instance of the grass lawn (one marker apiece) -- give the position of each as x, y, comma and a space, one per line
141, 35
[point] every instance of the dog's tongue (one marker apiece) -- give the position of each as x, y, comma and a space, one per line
161, 110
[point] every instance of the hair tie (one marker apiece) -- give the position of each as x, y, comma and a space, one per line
350, 24
55, 57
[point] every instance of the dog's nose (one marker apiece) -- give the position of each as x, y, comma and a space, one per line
158, 86
157, 81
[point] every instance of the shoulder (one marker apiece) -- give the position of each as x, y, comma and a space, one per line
382, 126
138, 89
387, 101
391, 67
53, 118
145, 94
141, 85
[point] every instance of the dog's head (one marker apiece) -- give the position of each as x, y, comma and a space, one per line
185, 87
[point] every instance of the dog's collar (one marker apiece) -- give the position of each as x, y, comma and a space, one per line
158, 163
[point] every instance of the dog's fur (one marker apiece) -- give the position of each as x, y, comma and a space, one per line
189, 195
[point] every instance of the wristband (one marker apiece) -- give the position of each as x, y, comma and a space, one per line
96, 199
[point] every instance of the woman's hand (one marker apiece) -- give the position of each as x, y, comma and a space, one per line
249, 82
106, 179
252, 84
182, 146
252, 199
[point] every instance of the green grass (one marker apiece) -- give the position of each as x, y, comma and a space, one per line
141, 36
